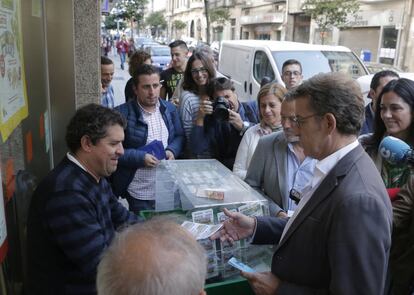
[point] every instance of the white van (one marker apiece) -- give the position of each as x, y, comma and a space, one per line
246, 62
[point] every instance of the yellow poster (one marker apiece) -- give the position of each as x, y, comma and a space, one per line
13, 96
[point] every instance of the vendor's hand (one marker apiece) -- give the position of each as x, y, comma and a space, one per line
170, 155
150, 161
235, 120
237, 227
262, 283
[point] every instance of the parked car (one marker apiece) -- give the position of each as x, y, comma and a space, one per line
149, 44
374, 67
160, 55
248, 61
142, 42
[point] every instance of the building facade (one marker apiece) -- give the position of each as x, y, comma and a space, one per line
384, 28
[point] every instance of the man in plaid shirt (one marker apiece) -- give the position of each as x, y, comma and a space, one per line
153, 125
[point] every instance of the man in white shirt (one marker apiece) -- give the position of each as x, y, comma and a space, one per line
338, 240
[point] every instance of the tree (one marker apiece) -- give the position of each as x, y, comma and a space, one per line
330, 13
207, 21
110, 23
132, 10
219, 15
178, 25
156, 21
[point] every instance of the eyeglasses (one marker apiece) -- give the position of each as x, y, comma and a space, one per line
301, 120
199, 70
295, 73
291, 119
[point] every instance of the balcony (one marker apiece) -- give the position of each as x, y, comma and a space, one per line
221, 3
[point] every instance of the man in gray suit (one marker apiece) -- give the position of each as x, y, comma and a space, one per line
338, 240
279, 167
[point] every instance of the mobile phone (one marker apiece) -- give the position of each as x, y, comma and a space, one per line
240, 265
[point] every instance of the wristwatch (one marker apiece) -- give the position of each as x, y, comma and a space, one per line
246, 126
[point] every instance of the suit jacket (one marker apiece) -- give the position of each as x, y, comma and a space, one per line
339, 243
267, 170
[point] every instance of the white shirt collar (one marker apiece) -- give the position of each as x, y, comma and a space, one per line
74, 160
324, 166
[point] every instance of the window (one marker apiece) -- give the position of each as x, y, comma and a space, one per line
314, 62
262, 67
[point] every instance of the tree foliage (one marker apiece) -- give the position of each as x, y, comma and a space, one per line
219, 15
131, 10
156, 20
179, 25
110, 23
330, 13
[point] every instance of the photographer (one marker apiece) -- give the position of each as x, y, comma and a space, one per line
221, 122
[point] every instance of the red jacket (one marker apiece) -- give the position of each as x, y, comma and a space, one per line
122, 46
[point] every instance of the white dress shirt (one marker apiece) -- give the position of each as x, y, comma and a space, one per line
322, 168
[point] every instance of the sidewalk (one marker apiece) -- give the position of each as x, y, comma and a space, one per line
120, 78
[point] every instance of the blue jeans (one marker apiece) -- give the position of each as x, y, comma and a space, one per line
122, 56
136, 205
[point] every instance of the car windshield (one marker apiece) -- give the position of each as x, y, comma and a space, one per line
160, 51
314, 62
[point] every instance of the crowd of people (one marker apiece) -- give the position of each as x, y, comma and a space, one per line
310, 147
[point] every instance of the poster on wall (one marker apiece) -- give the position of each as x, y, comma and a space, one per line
13, 96
3, 226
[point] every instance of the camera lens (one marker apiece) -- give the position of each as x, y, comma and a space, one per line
220, 109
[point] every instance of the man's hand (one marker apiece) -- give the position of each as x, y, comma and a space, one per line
262, 283
235, 120
237, 227
150, 161
282, 214
170, 155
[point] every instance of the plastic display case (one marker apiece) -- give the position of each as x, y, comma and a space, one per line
183, 184
197, 191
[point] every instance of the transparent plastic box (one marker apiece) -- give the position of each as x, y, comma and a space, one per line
182, 186
192, 178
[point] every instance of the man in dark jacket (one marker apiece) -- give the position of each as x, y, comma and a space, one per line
221, 123
154, 132
74, 214
339, 237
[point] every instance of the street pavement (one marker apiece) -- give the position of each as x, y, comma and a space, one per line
120, 78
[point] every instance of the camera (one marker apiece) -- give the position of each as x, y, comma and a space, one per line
220, 109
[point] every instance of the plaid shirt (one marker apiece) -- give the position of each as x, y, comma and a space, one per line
107, 98
142, 186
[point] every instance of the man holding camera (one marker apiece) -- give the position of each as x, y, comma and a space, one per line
221, 123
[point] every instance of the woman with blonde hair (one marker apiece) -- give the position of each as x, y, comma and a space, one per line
269, 100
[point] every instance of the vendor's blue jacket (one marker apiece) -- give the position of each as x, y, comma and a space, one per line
136, 134
220, 138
